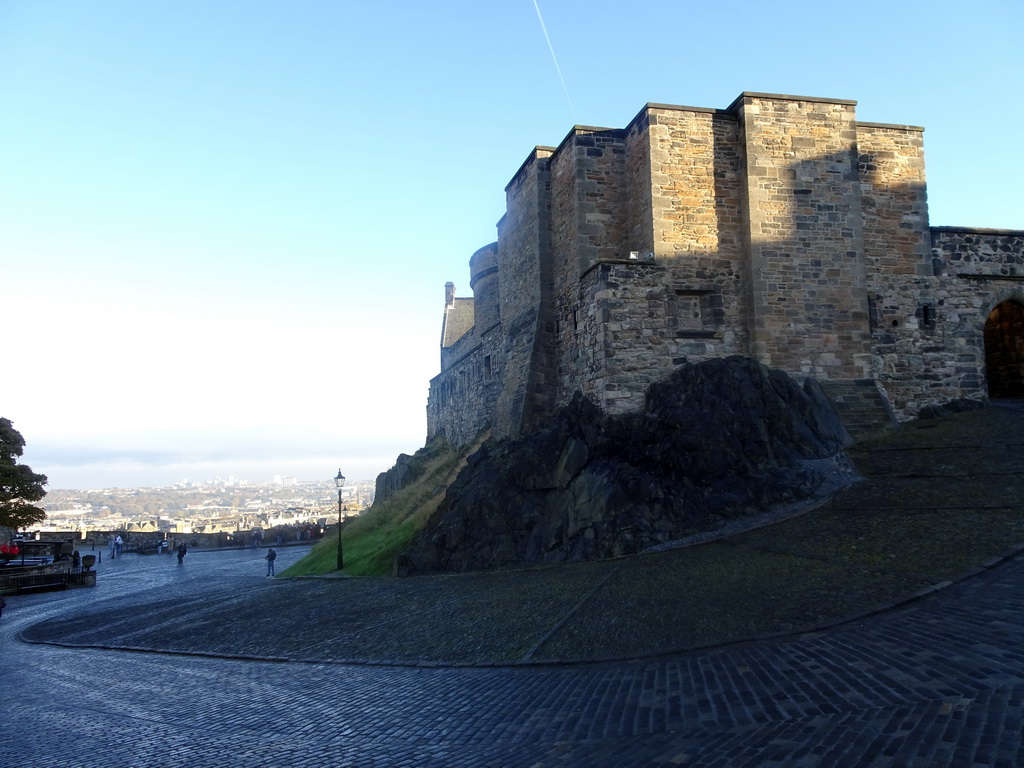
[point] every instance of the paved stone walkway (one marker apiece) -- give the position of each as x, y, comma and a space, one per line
939, 683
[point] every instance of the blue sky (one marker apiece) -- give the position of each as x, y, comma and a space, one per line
226, 225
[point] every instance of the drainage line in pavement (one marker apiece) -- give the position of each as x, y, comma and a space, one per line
402, 617
547, 635
933, 507
914, 448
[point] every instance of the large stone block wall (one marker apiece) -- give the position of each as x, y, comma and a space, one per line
635, 314
522, 233
639, 186
916, 360
696, 194
587, 197
523, 251
897, 256
629, 321
573, 360
588, 193
894, 202
808, 297
588, 190
462, 397
697, 216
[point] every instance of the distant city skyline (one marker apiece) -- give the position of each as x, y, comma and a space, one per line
122, 476
226, 228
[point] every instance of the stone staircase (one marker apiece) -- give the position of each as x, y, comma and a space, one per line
862, 407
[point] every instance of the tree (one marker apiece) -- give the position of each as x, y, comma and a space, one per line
19, 485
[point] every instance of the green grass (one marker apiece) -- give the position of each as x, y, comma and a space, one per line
371, 541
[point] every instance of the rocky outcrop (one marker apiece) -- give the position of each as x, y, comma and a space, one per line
717, 440
393, 480
407, 470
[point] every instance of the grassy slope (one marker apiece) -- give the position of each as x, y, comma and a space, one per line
373, 540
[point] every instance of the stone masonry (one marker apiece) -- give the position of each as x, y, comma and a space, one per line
780, 228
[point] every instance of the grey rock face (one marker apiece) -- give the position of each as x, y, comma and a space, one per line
393, 480
717, 440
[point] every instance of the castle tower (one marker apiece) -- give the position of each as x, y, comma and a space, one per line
804, 238
524, 251
779, 228
484, 280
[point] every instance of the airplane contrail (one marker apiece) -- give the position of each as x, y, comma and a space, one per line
555, 59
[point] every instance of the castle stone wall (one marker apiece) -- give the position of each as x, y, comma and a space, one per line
698, 223
894, 202
566, 247
462, 398
630, 321
930, 344
523, 251
978, 253
637, 200
804, 223
695, 182
589, 183
779, 228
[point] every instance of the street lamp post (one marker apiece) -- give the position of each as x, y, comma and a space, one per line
339, 481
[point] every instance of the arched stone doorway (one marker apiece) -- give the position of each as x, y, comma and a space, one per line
1004, 350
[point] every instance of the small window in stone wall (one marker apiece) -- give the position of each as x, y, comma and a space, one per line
926, 315
487, 367
695, 312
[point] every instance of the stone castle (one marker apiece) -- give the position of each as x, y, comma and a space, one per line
780, 228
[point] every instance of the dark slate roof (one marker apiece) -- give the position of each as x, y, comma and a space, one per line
458, 321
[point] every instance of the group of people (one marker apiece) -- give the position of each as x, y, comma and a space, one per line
115, 550
117, 543
270, 557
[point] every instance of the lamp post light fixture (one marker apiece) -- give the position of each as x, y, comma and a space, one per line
339, 481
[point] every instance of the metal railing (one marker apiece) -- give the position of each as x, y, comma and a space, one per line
39, 581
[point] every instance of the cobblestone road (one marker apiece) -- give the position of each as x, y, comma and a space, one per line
937, 684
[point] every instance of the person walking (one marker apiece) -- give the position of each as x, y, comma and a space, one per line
182, 551
270, 558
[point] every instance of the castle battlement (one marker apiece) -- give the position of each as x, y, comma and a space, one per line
780, 228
